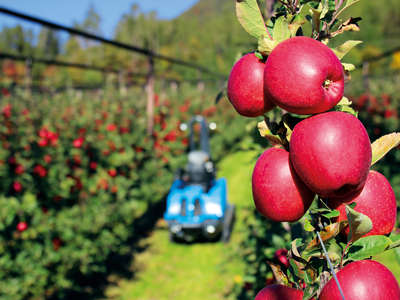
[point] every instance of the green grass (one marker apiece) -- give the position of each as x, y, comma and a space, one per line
167, 270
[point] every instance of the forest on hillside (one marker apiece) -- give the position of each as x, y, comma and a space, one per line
217, 45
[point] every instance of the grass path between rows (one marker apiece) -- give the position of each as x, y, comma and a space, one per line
167, 270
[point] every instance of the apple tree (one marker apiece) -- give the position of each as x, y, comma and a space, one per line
318, 172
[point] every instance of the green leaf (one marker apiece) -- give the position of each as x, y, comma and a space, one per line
250, 17
307, 226
348, 67
345, 106
368, 246
266, 132
279, 275
394, 237
281, 29
316, 17
266, 45
332, 214
383, 145
347, 4
343, 49
359, 224
258, 55
297, 22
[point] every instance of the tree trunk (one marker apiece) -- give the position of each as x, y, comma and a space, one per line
150, 97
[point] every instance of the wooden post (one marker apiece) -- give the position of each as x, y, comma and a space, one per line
200, 86
121, 83
150, 96
28, 77
173, 86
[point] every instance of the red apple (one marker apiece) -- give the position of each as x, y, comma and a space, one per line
246, 87
17, 186
331, 153
279, 292
376, 200
303, 76
278, 192
363, 280
281, 256
22, 226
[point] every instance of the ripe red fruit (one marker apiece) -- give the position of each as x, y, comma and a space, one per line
303, 76
57, 243
111, 127
281, 256
331, 153
376, 200
112, 172
246, 87
40, 171
77, 143
17, 186
47, 158
42, 142
19, 169
279, 292
7, 111
93, 165
363, 280
278, 192
22, 226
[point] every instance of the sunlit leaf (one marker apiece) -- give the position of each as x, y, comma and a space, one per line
343, 49
383, 145
348, 67
329, 232
281, 29
345, 106
266, 45
368, 246
280, 277
250, 17
266, 132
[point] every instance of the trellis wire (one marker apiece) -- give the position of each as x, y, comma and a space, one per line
331, 266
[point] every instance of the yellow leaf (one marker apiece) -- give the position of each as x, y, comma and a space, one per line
396, 61
383, 145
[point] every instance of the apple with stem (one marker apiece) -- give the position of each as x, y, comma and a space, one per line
303, 76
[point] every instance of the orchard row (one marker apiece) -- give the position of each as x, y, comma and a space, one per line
77, 171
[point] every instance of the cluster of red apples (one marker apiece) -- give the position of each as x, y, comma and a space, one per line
329, 155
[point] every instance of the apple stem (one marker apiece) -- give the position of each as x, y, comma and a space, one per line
327, 83
331, 266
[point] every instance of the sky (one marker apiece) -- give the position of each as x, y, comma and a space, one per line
65, 12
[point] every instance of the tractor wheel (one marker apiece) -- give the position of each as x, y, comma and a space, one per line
228, 223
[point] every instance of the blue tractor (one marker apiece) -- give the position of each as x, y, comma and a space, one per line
197, 205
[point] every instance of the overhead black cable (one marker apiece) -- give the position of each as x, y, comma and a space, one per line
56, 62
88, 67
88, 35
